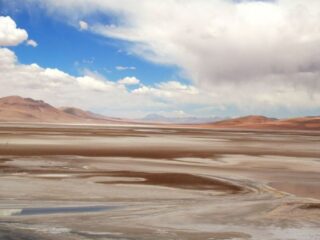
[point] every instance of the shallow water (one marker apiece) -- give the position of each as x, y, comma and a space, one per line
63, 210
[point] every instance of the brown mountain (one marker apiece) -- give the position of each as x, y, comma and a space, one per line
18, 109
261, 122
15, 108
302, 123
251, 120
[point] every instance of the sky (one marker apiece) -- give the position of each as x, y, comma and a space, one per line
178, 58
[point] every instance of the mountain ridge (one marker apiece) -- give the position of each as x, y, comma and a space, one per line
262, 122
19, 109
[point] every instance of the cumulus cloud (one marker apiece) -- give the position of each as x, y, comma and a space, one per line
10, 35
93, 91
129, 81
83, 25
247, 53
32, 43
175, 86
219, 41
123, 68
175, 92
89, 91
254, 56
45, 83
8, 58
93, 84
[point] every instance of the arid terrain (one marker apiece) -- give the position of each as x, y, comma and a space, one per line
159, 120
79, 182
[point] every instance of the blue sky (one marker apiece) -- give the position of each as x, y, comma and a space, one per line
130, 58
65, 47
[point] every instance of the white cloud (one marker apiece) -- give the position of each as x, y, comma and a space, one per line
170, 90
46, 83
245, 54
177, 87
90, 91
10, 35
83, 25
123, 68
54, 74
129, 81
93, 91
253, 56
7, 59
89, 83
32, 43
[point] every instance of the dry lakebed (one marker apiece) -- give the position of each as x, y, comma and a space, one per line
79, 182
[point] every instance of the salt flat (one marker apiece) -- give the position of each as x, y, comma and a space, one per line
158, 182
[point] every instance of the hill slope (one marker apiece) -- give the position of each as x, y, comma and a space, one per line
15, 108
261, 122
18, 109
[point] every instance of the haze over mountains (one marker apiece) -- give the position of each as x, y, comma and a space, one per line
183, 120
18, 109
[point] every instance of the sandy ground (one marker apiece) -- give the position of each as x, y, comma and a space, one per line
129, 182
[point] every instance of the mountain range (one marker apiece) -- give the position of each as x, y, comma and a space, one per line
19, 109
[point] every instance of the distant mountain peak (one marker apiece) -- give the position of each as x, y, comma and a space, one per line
155, 117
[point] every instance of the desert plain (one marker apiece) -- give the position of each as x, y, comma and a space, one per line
81, 182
